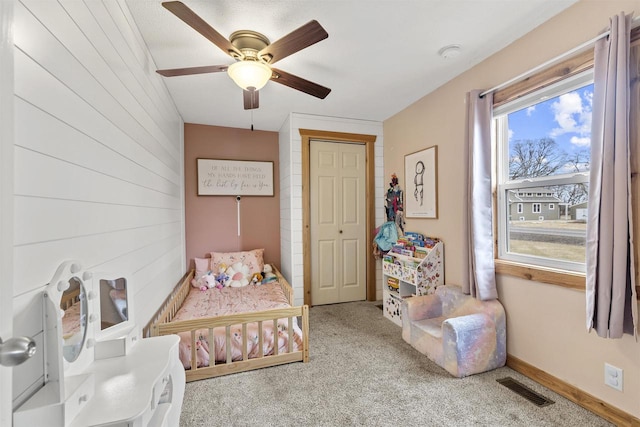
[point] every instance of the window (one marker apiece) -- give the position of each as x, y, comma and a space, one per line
543, 148
520, 210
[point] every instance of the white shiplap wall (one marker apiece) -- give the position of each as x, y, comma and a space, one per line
290, 146
98, 158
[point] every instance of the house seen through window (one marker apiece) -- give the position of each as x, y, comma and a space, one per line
543, 156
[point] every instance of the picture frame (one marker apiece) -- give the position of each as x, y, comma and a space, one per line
421, 183
217, 177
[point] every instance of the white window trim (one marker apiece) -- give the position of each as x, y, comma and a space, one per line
500, 128
533, 207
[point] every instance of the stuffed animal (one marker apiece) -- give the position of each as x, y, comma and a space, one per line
204, 282
269, 275
239, 275
222, 279
256, 279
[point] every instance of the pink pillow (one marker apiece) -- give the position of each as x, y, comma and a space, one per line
202, 266
252, 259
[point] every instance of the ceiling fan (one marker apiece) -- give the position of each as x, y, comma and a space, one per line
254, 55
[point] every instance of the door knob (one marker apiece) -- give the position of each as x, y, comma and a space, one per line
16, 350
340, 231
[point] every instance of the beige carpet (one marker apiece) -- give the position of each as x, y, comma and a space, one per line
362, 373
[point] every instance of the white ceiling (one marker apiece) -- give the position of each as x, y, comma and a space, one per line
380, 57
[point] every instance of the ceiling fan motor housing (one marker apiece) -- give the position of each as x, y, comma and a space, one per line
249, 43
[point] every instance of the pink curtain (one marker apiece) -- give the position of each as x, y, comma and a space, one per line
479, 278
610, 285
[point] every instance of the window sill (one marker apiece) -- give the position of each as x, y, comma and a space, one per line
552, 276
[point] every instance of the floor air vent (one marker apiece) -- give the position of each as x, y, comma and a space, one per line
524, 391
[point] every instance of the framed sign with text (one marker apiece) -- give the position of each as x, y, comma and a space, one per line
234, 178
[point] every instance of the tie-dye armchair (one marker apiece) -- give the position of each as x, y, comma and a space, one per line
464, 335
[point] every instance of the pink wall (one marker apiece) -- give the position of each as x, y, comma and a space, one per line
211, 221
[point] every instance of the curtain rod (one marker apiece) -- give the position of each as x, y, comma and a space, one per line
557, 58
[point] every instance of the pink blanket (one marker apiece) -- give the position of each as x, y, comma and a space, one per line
219, 302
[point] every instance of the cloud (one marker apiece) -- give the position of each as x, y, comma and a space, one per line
510, 134
572, 113
584, 141
530, 110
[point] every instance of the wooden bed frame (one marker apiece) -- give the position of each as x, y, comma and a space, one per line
68, 299
161, 325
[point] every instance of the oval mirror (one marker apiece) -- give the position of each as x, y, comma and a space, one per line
74, 319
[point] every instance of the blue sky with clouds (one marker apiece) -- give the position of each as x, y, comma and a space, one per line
566, 119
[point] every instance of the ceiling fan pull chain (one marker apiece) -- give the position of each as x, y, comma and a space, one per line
251, 120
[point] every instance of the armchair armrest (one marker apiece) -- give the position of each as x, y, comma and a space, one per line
469, 344
422, 307
467, 324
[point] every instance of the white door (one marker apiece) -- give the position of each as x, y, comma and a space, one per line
338, 222
6, 200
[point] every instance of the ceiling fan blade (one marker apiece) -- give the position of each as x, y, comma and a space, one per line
192, 70
180, 10
299, 83
251, 99
310, 33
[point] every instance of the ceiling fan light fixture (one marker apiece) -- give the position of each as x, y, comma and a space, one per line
250, 74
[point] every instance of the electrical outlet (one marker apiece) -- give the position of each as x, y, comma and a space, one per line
613, 376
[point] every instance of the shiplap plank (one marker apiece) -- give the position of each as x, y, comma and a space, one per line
98, 158
140, 82
56, 139
147, 66
69, 218
154, 291
48, 51
116, 54
36, 86
143, 68
43, 176
91, 251
142, 256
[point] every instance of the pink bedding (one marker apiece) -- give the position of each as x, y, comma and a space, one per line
218, 302
71, 321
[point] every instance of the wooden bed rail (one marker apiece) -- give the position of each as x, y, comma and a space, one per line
170, 305
229, 366
279, 319
173, 302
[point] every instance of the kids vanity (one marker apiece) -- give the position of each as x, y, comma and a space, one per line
98, 370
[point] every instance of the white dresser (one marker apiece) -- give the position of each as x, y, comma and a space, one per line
96, 373
142, 388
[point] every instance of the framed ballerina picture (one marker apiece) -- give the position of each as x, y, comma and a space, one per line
421, 183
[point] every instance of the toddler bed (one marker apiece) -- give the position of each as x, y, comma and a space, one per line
229, 330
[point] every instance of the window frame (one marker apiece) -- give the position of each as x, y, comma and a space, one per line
556, 72
502, 184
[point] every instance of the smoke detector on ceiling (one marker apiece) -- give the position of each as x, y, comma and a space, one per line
450, 51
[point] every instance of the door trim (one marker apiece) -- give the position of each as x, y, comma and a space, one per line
6, 199
369, 142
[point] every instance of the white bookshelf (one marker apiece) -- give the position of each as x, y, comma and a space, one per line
414, 276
